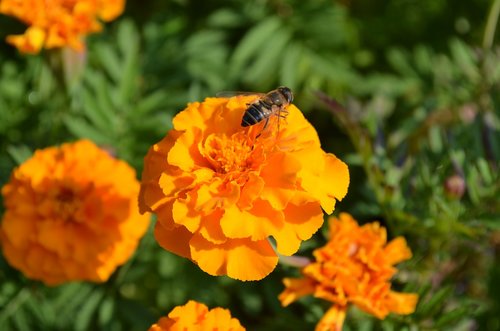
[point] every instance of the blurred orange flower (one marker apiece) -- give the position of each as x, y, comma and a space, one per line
196, 316
58, 23
220, 190
71, 214
355, 266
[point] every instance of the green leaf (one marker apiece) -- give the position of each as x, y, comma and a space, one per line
19, 153
253, 43
289, 66
266, 62
84, 315
452, 317
82, 129
430, 307
106, 310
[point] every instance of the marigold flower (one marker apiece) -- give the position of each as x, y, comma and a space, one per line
220, 190
354, 267
58, 23
195, 316
71, 214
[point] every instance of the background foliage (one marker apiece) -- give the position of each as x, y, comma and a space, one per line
420, 130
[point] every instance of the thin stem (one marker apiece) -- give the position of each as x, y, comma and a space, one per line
491, 25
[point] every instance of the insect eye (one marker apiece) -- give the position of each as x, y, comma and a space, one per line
287, 93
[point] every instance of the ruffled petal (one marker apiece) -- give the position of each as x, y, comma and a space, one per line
175, 240
280, 176
295, 289
333, 319
301, 223
257, 223
232, 258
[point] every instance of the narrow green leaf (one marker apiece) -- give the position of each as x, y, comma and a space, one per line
99, 117
452, 317
82, 129
19, 153
84, 316
253, 42
110, 61
20, 320
128, 42
289, 66
430, 307
485, 171
106, 310
267, 62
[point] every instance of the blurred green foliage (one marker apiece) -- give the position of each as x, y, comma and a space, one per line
419, 126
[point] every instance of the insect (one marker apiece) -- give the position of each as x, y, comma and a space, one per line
269, 104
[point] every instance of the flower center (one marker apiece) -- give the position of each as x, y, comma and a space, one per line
66, 204
234, 154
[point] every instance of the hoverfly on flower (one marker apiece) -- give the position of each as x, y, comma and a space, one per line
267, 105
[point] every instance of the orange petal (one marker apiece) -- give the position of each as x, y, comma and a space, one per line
185, 154
401, 303
298, 133
336, 175
216, 194
250, 191
295, 288
280, 176
184, 213
155, 161
30, 42
220, 319
396, 251
301, 223
210, 227
240, 259
330, 184
258, 223
192, 117
333, 320
188, 315
175, 240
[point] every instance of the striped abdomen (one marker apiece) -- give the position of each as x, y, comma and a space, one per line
256, 113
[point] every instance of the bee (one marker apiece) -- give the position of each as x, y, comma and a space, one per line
273, 103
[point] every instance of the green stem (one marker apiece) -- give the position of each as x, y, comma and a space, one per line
491, 25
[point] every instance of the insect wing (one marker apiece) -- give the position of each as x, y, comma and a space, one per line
228, 94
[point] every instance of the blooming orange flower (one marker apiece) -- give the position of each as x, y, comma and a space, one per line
71, 214
220, 190
355, 266
195, 316
58, 23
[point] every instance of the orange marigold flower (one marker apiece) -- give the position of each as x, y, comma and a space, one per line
355, 266
71, 214
220, 190
58, 23
196, 316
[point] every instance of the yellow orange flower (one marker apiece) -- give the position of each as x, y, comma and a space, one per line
195, 316
220, 190
71, 214
58, 23
354, 267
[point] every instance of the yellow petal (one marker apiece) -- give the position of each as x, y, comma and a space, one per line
175, 240
396, 251
241, 259
402, 303
280, 176
258, 223
295, 288
333, 320
301, 223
